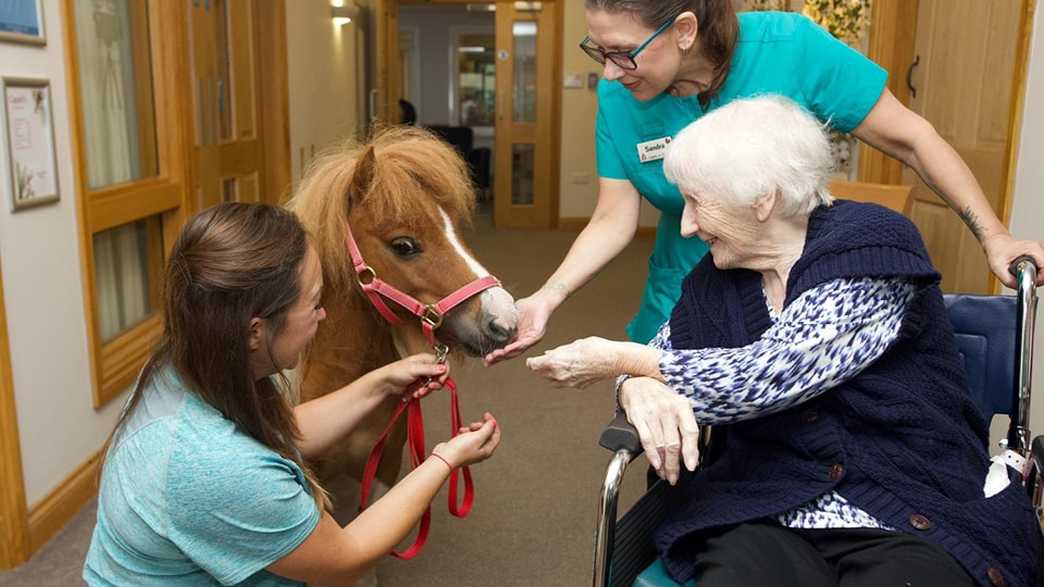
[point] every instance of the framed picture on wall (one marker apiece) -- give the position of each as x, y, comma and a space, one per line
21, 21
29, 127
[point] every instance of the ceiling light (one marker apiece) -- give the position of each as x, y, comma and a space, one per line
343, 12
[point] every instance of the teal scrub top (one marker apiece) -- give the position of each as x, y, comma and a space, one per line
776, 53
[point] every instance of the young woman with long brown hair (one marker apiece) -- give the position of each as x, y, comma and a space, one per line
205, 478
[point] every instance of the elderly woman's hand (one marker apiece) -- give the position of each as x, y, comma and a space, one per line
580, 363
666, 425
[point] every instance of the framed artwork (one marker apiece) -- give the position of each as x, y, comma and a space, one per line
30, 142
21, 21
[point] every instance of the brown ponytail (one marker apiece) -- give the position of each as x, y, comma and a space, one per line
232, 262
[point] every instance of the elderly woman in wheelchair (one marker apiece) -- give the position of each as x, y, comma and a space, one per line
814, 336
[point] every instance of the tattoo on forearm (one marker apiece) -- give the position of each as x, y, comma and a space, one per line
557, 286
972, 221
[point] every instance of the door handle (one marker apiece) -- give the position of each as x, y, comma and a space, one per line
373, 104
909, 76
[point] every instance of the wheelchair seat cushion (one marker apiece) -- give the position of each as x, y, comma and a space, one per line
655, 575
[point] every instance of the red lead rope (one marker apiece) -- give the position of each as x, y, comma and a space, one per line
416, 447
431, 318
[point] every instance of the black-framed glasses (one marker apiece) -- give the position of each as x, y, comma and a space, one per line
622, 59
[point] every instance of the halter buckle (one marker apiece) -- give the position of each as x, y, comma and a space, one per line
441, 352
367, 271
432, 316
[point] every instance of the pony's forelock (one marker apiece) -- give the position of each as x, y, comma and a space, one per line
412, 168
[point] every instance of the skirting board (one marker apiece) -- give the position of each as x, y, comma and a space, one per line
54, 511
577, 223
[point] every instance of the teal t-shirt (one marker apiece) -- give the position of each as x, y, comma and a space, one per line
187, 498
776, 53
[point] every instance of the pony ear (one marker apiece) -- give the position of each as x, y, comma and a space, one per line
362, 177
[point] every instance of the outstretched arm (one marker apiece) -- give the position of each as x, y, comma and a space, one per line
332, 555
326, 420
904, 135
612, 226
826, 336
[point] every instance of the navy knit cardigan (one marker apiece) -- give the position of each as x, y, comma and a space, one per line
902, 440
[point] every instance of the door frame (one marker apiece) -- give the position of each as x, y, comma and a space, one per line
273, 100
893, 33
387, 13
14, 514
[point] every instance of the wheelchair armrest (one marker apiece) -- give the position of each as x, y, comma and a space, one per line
621, 435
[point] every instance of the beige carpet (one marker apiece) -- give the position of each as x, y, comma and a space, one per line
533, 521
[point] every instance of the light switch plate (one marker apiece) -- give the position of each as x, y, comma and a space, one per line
573, 81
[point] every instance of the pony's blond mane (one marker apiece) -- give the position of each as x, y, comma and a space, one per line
412, 167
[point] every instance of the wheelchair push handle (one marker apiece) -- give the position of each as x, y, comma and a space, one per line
1023, 263
1024, 269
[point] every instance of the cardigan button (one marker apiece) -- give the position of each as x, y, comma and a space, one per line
920, 522
995, 577
837, 471
810, 416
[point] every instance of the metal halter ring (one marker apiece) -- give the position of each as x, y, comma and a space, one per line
441, 352
432, 316
367, 270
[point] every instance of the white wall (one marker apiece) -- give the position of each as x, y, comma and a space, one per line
40, 255
578, 187
324, 79
1027, 215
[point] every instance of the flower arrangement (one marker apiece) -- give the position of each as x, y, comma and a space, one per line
763, 5
845, 19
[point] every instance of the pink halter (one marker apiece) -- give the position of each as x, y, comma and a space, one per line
430, 314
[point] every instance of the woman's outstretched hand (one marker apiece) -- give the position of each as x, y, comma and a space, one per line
666, 425
472, 444
398, 377
579, 363
533, 314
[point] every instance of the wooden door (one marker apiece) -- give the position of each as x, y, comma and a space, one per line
228, 153
965, 54
387, 91
523, 193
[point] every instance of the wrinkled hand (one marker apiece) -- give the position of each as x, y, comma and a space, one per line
1002, 249
533, 314
472, 444
665, 423
396, 378
579, 363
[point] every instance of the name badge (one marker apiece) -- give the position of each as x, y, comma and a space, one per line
653, 150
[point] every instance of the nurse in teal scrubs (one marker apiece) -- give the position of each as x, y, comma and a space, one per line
668, 62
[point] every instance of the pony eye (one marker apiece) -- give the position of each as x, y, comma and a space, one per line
405, 247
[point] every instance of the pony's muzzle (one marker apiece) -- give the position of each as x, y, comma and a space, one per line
497, 331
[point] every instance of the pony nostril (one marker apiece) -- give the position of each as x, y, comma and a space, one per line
498, 333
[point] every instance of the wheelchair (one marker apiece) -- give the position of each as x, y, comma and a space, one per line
995, 339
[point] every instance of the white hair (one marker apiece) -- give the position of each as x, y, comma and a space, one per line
750, 148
